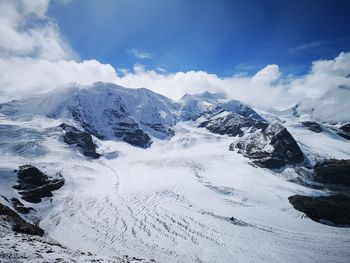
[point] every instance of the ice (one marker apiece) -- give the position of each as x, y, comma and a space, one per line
187, 198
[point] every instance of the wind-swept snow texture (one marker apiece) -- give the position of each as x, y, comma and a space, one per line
185, 198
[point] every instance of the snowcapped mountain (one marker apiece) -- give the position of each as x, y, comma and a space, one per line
107, 173
106, 111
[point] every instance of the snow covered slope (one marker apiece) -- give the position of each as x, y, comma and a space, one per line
183, 198
105, 110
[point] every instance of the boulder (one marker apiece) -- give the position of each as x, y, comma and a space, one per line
331, 210
333, 172
18, 224
312, 126
35, 185
81, 139
273, 147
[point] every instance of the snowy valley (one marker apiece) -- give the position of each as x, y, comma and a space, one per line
104, 173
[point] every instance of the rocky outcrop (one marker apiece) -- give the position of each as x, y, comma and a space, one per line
233, 124
125, 128
344, 131
331, 210
333, 172
11, 219
273, 147
267, 145
118, 123
160, 128
312, 126
111, 112
33, 184
345, 127
81, 139
19, 206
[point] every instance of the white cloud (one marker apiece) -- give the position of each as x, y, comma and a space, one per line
325, 90
140, 54
23, 76
41, 39
259, 90
36, 59
267, 75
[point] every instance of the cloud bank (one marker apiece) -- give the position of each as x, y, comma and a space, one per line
33, 55
325, 90
35, 58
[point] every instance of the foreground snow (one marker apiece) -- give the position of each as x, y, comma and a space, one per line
184, 200
18, 248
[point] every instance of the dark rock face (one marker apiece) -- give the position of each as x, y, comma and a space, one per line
333, 172
345, 128
81, 139
233, 124
344, 131
18, 224
271, 148
161, 128
84, 119
345, 135
35, 185
126, 128
119, 123
268, 145
19, 206
330, 210
312, 126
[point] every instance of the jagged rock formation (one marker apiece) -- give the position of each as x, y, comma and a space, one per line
225, 117
273, 147
19, 206
81, 139
331, 210
345, 127
344, 131
209, 105
33, 185
233, 124
333, 172
106, 111
268, 145
312, 126
109, 111
11, 219
118, 123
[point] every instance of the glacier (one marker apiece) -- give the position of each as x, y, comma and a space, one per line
165, 187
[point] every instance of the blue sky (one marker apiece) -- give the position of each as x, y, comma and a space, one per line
268, 54
221, 36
